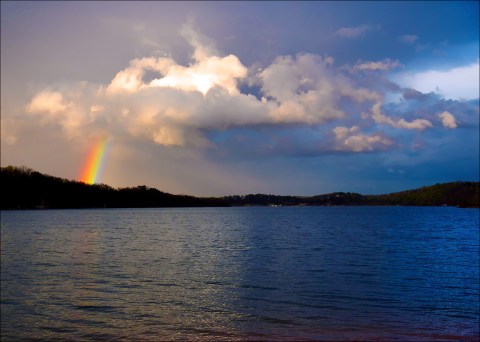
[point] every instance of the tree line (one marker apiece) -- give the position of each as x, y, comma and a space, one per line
24, 188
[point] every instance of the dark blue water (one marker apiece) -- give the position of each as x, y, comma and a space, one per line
297, 273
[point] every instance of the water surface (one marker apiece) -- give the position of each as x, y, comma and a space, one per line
283, 273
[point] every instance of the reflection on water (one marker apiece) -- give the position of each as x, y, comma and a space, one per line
241, 274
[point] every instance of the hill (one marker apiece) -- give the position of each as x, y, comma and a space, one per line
24, 188
460, 194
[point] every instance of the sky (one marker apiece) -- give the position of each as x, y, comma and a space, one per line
222, 98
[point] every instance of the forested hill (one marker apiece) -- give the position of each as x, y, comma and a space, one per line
461, 194
458, 194
24, 188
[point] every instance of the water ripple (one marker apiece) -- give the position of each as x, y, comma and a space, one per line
236, 274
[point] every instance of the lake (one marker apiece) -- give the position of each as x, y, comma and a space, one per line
247, 273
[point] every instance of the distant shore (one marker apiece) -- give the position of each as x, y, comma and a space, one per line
24, 188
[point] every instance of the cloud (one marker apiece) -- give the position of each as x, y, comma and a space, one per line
48, 102
350, 139
418, 124
353, 32
386, 64
448, 120
207, 71
301, 89
68, 109
158, 100
202, 76
412, 94
408, 38
203, 46
457, 83
413, 102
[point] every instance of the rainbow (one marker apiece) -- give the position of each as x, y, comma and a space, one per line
93, 166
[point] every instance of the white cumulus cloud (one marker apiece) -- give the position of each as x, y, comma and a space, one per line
448, 120
301, 89
182, 104
48, 102
69, 109
379, 117
350, 139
